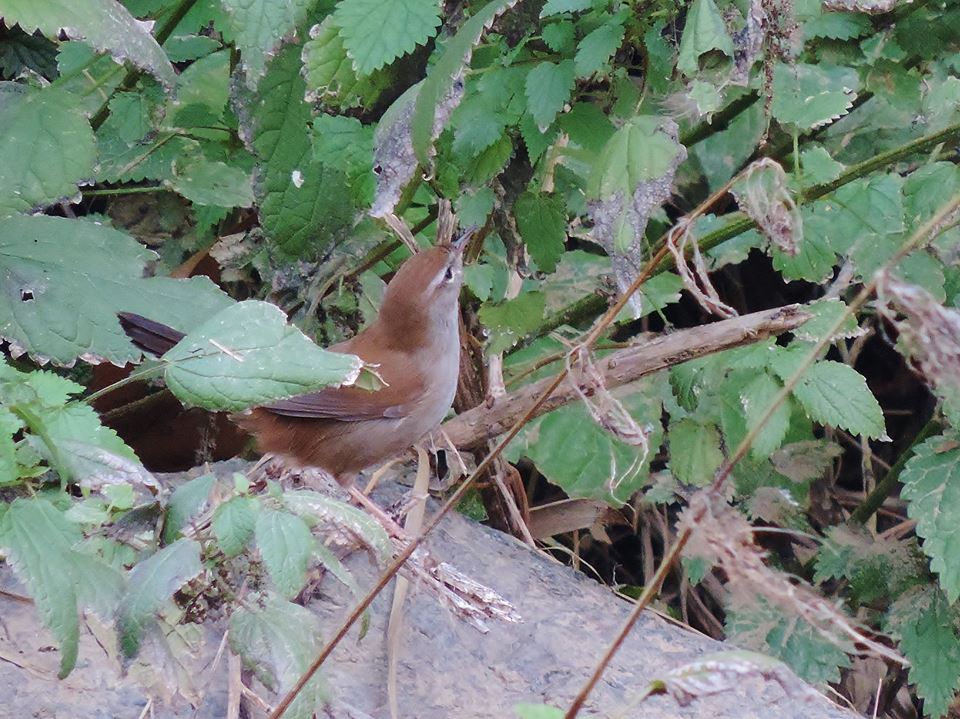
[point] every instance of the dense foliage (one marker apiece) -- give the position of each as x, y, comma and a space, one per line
792, 149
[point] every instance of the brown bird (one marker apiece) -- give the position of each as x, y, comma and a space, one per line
414, 345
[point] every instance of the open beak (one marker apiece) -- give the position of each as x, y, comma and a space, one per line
459, 243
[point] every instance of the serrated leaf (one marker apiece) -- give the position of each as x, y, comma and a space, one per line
442, 90
377, 32
187, 501
809, 96
694, 451
329, 74
826, 313
818, 166
512, 319
305, 205
837, 26
344, 143
151, 584
211, 183
286, 545
559, 36
278, 640
258, 26
756, 397
61, 148
48, 262
316, 508
703, 32
542, 223
596, 49
548, 89
233, 523
638, 152
105, 24
574, 452
928, 637
931, 485
248, 355
555, 7
770, 629
835, 394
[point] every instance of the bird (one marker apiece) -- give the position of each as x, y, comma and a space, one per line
414, 346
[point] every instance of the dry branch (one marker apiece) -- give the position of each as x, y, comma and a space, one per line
482, 423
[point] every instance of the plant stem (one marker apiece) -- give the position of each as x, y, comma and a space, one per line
885, 486
107, 192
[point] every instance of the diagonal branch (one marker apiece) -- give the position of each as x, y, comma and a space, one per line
472, 428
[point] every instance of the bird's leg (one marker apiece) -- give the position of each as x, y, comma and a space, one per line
385, 520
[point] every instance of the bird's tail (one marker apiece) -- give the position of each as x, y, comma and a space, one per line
153, 337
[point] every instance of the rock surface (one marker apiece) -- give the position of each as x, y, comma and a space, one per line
446, 668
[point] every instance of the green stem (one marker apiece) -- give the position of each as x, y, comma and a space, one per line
124, 191
885, 486
144, 373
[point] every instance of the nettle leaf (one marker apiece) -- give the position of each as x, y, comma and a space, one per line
548, 89
377, 32
150, 586
286, 545
212, 183
186, 502
510, 320
542, 222
105, 24
248, 355
537, 711
926, 624
345, 143
317, 509
38, 542
442, 90
233, 524
756, 397
559, 36
596, 49
640, 151
695, 453
835, 394
703, 32
826, 314
773, 630
931, 485
809, 96
61, 147
329, 74
575, 453
277, 640
258, 26
556, 7
46, 263
305, 205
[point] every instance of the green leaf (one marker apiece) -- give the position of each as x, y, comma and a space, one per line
248, 355
537, 711
305, 205
211, 183
37, 540
756, 398
277, 640
151, 584
837, 26
10, 424
835, 394
694, 451
542, 222
931, 485
258, 26
926, 624
317, 509
187, 501
574, 452
437, 96
555, 7
826, 313
559, 36
703, 32
809, 96
770, 629
233, 523
819, 166
50, 262
377, 32
638, 152
329, 74
344, 143
548, 89
104, 24
286, 545
511, 320
47, 146
596, 49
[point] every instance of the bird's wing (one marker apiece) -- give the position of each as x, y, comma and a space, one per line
353, 404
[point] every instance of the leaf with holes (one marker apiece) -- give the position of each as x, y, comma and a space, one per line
329, 74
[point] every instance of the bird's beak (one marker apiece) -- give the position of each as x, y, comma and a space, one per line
459, 243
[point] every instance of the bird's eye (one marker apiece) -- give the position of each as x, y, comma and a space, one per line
448, 275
